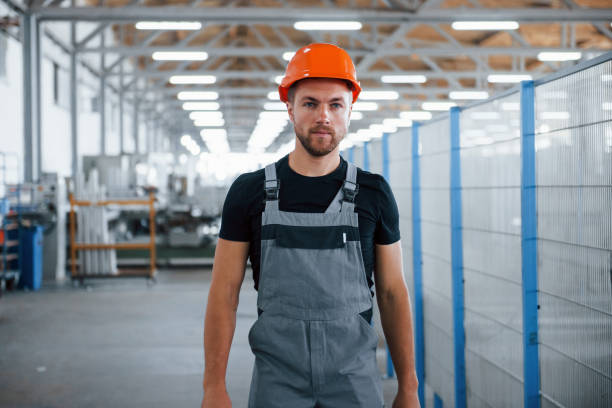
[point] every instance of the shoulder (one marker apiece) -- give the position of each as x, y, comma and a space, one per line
246, 189
373, 183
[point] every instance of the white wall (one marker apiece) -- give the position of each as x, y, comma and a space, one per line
11, 104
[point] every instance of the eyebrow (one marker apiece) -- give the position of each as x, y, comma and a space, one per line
310, 98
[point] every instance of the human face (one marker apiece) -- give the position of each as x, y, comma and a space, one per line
320, 113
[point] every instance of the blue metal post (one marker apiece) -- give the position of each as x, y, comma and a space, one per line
529, 233
385, 173
417, 265
351, 154
457, 260
438, 401
366, 156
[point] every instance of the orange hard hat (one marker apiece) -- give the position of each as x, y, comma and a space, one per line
319, 61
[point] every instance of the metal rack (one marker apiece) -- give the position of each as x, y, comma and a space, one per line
9, 223
81, 246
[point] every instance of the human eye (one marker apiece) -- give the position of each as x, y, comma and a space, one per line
309, 104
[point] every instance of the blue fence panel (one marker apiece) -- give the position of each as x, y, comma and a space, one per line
573, 143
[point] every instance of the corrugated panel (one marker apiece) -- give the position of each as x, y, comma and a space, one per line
574, 202
436, 247
491, 197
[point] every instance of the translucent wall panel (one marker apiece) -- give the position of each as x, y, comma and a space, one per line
574, 202
400, 176
491, 198
358, 156
434, 140
376, 162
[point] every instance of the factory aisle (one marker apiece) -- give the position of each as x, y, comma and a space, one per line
119, 343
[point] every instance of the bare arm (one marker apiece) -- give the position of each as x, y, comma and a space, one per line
396, 317
220, 322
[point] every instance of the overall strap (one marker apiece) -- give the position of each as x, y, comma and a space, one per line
271, 187
349, 189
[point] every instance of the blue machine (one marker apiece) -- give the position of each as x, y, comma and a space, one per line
31, 257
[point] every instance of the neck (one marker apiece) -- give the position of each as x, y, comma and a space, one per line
305, 164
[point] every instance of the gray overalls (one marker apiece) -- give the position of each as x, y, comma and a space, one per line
312, 347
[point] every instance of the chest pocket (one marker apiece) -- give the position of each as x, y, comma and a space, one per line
311, 237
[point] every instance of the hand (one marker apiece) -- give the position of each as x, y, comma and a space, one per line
406, 400
216, 398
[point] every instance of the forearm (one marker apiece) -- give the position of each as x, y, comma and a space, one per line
219, 327
396, 318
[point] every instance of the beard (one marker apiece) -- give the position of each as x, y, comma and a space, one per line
311, 144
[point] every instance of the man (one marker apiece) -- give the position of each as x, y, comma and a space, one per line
314, 227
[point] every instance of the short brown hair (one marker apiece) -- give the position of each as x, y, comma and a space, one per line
293, 87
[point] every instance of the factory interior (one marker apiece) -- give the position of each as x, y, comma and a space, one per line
123, 124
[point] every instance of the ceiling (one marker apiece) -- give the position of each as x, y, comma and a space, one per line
245, 42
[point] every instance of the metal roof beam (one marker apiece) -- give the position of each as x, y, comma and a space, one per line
278, 15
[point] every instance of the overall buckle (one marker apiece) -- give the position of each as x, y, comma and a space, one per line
350, 190
271, 189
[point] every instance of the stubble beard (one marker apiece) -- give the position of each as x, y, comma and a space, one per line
307, 141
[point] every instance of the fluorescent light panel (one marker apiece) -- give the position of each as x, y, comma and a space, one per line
203, 115
379, 95
327, 25
209, 122
356, 115
192, 79
274, 96
465, 95
288, 55
213, 133
275, 106
437, 106
365, 106
416, 115
197, 96
180, 56
201, 106
168, 25
507, 79
485, 25
403, 79
559, 56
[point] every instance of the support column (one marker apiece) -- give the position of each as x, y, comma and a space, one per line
135, 126
529, 246
417, 266
457, 261
31, 98
102, 97
121, 107
73, 105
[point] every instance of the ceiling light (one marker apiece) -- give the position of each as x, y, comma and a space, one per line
468, 95
213, 133
416, 115
356, 115
200, 115
288, 55
274, 96
327, 25
278, 79
180, 55
508, 79
403, 79
485, 25
397, 122
275, 106
273, 115
203, 106
197, 96
168, 25
192, 79
559, 56
437, 106
365, 106
511, 106
379, 95
209, 122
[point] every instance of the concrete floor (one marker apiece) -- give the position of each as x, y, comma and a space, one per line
119, 343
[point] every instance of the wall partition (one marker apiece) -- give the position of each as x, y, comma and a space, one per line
506, 224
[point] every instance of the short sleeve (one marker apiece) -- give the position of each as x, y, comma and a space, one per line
387, 226
234, 218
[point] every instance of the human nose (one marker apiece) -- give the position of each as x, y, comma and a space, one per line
323, 114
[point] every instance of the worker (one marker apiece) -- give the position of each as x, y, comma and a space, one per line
319, 233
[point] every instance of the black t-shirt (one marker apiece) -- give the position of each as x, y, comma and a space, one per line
375, 206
